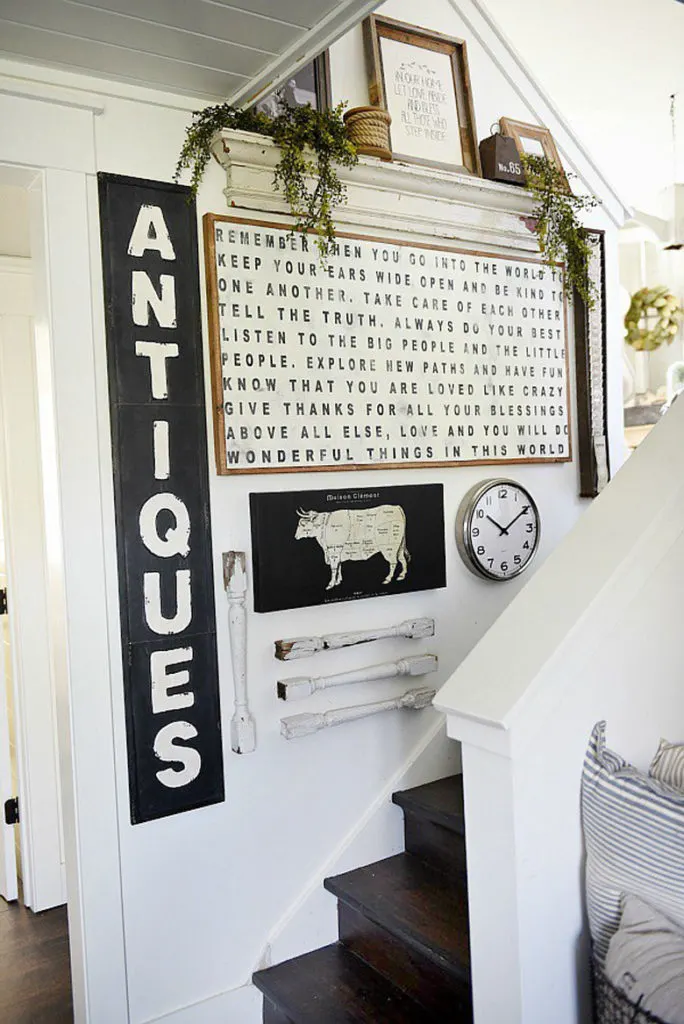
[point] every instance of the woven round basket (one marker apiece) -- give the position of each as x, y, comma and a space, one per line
613, 1007
368, 129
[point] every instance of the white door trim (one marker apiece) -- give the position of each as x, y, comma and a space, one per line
63, 240
8, 865
42, 844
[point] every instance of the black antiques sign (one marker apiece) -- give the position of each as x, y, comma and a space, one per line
154, 345
390, 355
314, 547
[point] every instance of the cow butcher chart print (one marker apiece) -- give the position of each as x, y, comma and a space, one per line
315, 547
355, 535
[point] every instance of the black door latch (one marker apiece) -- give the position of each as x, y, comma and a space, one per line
12, 811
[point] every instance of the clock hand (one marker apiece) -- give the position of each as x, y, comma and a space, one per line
502, 529
513, 521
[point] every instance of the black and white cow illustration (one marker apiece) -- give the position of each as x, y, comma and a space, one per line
353, 535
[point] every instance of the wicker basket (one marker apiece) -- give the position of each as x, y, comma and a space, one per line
368, 129
613, 1007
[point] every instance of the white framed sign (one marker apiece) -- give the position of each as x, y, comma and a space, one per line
421, 78
390, 355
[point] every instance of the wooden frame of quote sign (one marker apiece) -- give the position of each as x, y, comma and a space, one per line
422, 79
591, 374
392, 354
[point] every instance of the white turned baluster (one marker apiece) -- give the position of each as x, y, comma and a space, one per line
306, 724
303, 686
305, 646
242, 724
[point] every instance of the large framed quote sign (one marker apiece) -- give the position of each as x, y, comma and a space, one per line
390, 354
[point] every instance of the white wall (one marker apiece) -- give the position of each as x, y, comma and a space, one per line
645, 263
205, 892
590, 57
596, 634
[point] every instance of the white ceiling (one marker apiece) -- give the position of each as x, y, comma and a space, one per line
609, 66
211, 49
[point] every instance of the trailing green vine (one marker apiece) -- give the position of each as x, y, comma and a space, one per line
557, 225
313, 144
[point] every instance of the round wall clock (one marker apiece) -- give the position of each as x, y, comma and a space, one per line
497, 529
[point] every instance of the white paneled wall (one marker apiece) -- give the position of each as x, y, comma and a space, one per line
207, 896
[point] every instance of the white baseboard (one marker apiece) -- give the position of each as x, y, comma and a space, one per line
238, 1006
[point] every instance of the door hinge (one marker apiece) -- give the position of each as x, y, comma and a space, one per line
12, 811
3, 601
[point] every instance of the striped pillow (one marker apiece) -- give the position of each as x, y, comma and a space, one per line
668, 764
634, 836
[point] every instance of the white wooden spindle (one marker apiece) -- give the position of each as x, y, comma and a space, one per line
303, 686
305, 646
307, 724
242, 724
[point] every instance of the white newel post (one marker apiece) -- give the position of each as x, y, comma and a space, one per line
489, 796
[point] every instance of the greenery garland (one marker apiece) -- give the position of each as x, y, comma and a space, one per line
656, 302
313, 143
557, 225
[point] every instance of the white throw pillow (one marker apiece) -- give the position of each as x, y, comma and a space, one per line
646, 960
668, 764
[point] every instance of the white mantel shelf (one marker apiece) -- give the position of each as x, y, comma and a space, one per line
400, 200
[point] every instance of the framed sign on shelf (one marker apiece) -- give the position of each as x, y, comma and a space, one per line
421, 78
532, 140
590, 361
395, 354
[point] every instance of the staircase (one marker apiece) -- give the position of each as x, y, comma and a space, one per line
402, 956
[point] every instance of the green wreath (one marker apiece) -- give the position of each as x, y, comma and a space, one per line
652, 318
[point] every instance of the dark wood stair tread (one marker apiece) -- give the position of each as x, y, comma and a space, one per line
416, 904
440, 802
332, 986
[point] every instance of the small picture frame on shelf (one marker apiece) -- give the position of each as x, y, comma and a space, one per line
532, 140
421, 78
309, 85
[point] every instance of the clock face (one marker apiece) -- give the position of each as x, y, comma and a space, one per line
498, 529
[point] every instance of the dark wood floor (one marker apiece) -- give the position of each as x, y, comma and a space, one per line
35, 986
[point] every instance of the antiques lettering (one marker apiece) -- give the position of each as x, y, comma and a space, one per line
161, 494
